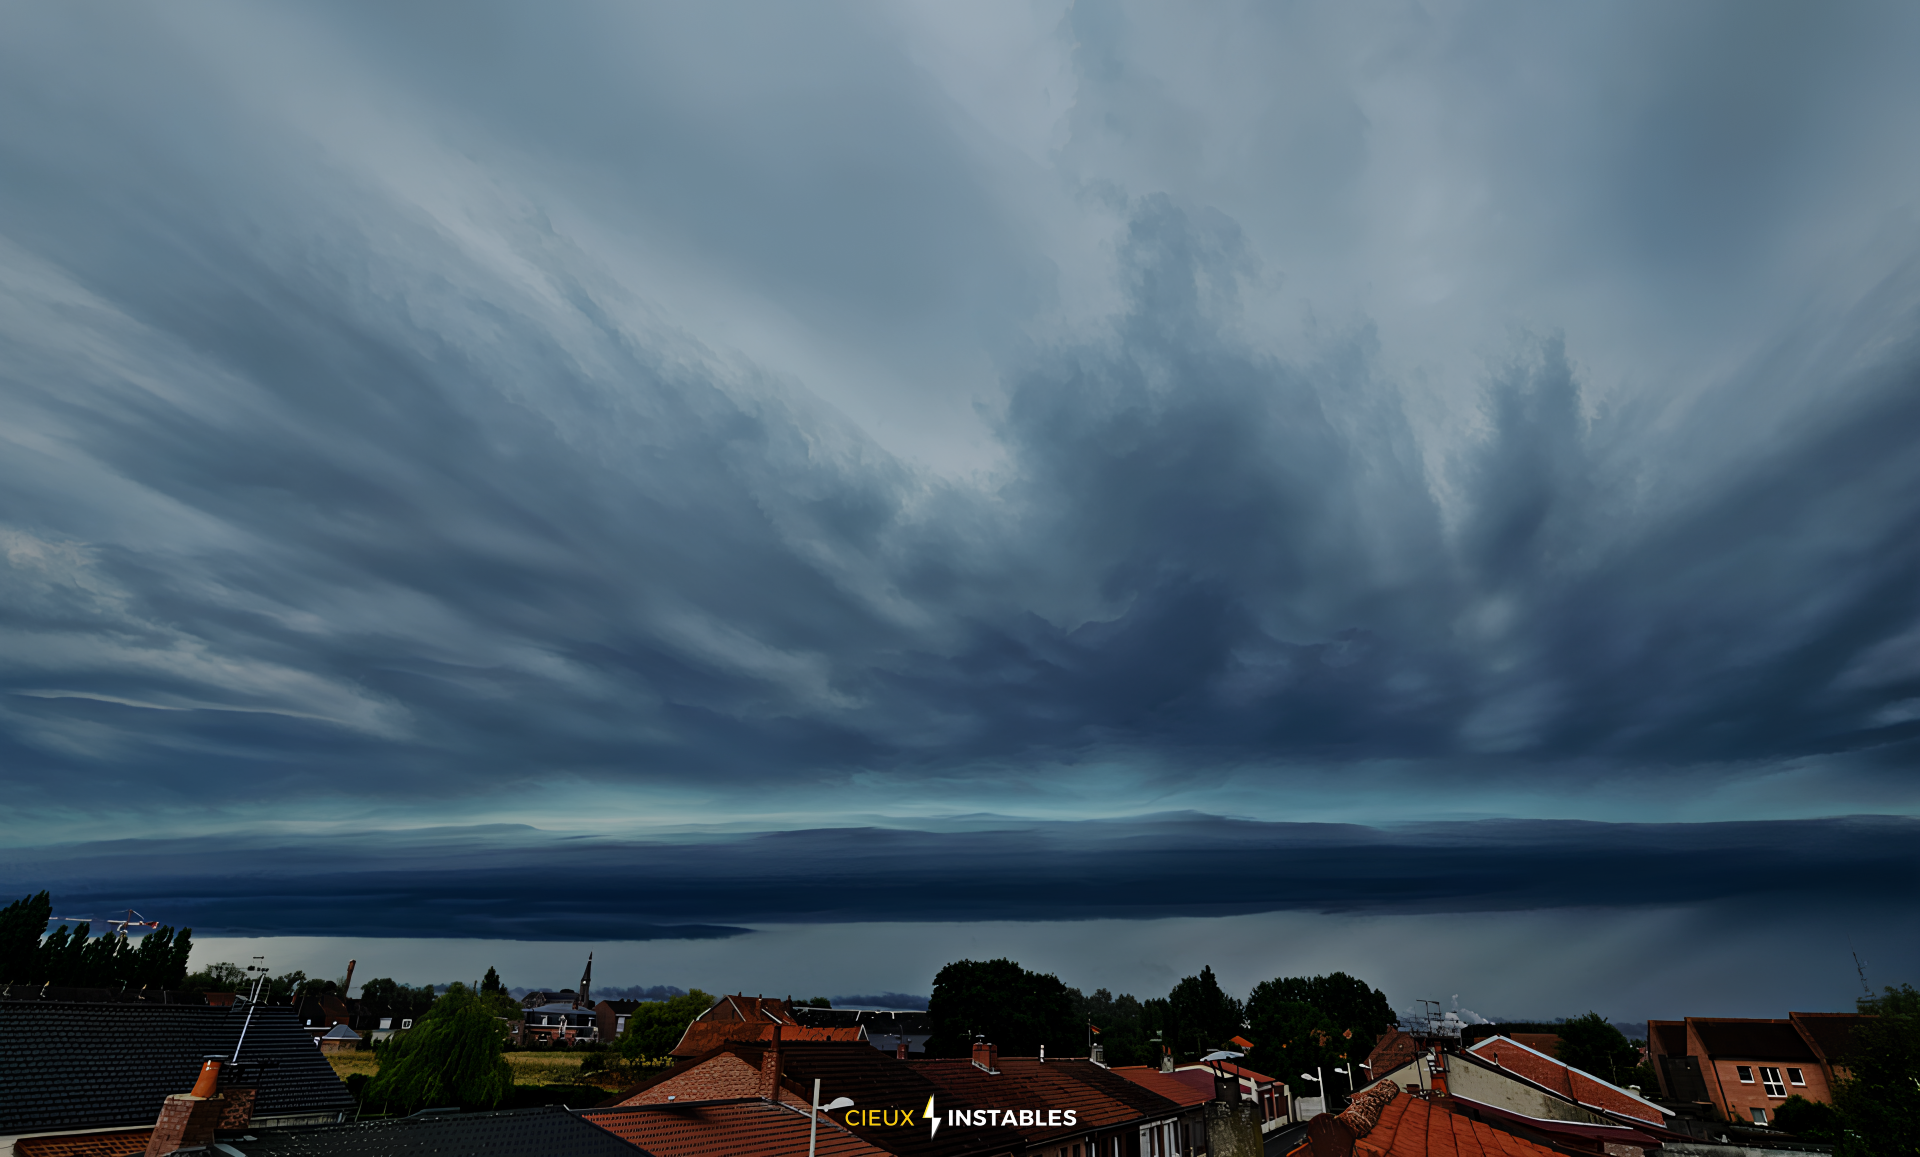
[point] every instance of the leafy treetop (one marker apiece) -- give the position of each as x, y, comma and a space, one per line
452, 1056
657, 1025
997, 1000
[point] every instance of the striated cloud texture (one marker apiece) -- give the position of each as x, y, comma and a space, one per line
775, 426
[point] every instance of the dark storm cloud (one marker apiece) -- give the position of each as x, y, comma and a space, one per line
510, 883
321, 485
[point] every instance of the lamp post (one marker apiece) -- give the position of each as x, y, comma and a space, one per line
813, 1118
1319, 1080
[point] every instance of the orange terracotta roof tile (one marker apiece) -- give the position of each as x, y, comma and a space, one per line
1410, 1126
728, 1129
1574, 1084
1186, 1088
703, 1035
115, 1143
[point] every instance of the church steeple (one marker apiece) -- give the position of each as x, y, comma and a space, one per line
586, 979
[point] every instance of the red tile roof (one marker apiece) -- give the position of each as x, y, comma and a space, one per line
1569, 1082
1241, 1071
702, 1035
750, 1128
1094, 1089
114, 1143
1185, 1087
1395, 1048
1409, 1126
721, 1074
1099, 1098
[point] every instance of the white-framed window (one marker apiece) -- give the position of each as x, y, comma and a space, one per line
1770, 1080
1759, 1115
386, 1022
408, 1023
1745, 1073
1796, 1077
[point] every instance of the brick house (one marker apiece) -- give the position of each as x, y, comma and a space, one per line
738, 1009
1745, 1068
610, 1017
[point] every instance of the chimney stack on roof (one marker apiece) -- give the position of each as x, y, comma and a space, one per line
770, 1069
900, 1048
986, 1056
187, 1120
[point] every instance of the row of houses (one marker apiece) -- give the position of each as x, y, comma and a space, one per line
116, 1079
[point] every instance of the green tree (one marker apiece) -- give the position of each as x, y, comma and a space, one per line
657, 1025
69, 956
1808, 1120
402, 1001
22, 924
1352, 1014
1592, 1045
1010, 1007
224, 976
1201, 1017
502, 1006
1880, 1103
820, 1002
1346, 1000
1291, 1037
452, 1056
490, 983
1120, 1021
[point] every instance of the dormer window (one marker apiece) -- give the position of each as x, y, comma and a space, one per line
1745, 1072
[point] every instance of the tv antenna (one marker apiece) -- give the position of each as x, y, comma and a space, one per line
259, 969
1860, 968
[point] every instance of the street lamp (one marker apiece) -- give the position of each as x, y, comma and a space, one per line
813, 1119
1352, 1086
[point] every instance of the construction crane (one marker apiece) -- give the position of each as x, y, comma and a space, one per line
133, 920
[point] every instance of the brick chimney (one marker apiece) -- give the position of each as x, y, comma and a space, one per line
770, 1069
986, 1056
188, 1119
900, 1049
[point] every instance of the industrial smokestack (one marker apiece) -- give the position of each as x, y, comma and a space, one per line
348, 986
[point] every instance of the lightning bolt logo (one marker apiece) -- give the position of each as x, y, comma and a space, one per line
932, 1119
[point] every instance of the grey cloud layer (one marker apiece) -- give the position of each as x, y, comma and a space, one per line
513, 883
319, 486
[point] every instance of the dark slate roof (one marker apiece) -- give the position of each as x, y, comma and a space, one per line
876, 1080
1831, 1032
545, 1132
1667, 1036
73, 1066
1751, 1040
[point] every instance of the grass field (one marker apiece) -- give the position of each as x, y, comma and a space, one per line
529, 1068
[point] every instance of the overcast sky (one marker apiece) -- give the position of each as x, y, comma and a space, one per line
647, 422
